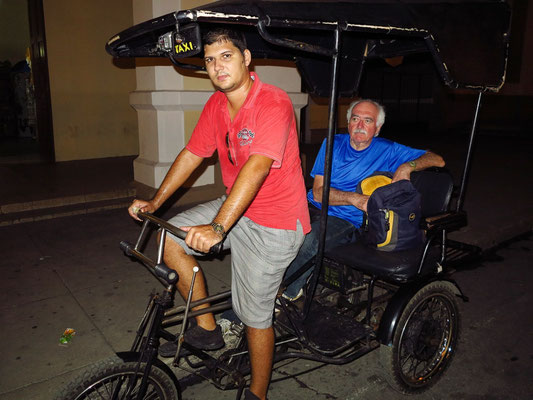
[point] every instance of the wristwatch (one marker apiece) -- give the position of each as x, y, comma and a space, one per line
412, 164
218, 228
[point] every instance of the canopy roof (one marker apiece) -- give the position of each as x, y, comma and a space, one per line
467, 40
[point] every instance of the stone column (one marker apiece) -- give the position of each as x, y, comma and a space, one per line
169, 104
160, 102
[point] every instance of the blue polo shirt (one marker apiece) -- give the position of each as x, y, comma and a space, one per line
350, 166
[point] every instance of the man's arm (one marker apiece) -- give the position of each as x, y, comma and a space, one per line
248, 182
338, 197
182, 167
426, 160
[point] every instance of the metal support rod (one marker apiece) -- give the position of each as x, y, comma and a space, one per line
370, 297
466, 169
188, 305
161, 248
174, 320
141, 236
327, 169
263, 22
443, 246
209, 299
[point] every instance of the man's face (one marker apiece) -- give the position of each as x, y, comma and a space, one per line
226, 66
363, 125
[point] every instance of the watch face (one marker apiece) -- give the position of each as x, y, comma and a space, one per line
218, 228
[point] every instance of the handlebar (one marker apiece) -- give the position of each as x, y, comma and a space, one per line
158, 268
217, 248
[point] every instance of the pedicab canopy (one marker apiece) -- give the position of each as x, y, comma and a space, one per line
467, 40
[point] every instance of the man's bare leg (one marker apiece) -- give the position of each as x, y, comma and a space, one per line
261, 346
176, 258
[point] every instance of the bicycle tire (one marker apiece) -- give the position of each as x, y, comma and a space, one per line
102, 379
425, 340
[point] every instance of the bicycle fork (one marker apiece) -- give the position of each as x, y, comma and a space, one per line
148, 353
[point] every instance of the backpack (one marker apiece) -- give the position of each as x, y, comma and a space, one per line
392, 220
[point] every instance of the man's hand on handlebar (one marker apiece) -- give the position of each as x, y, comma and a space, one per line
201, 237
140, 205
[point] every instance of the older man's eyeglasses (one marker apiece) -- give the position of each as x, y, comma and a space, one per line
229, 149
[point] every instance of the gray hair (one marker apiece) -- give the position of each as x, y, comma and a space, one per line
381, 111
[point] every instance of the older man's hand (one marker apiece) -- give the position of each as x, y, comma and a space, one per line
403, 172
360, 201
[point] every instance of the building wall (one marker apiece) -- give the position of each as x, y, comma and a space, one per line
92, 117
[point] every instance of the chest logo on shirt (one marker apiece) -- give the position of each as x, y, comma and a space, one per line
245, 136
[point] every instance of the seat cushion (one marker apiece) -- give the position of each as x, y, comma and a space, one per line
399, 266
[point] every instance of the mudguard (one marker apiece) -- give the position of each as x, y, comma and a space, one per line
399, 301
132, 356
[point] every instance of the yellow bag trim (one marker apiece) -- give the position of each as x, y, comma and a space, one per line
389, 232
368, 185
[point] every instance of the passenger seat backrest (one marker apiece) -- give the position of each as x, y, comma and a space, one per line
435, 187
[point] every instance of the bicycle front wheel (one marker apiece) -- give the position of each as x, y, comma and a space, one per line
115, 379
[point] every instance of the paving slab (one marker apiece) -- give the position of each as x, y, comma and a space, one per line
12, 241
117, 307
23, 284
44, 390
30, 346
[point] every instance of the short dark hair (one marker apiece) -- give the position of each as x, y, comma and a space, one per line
225, 35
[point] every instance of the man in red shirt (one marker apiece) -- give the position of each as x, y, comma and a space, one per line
263, 217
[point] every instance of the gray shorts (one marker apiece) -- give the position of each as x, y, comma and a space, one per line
259, 257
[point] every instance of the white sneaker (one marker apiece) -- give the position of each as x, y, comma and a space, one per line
231, 331
277, 307
298, 295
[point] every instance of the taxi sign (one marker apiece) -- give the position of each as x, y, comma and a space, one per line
187, 41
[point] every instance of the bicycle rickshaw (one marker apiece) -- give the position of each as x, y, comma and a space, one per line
404, 304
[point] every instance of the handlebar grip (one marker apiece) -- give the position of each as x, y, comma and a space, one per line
166, 273
217, 248
125, 247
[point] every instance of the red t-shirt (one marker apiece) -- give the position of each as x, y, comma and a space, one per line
264, 125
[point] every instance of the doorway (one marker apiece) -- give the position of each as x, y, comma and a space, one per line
26, 134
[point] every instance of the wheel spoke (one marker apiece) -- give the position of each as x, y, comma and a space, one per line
425, 340
98, 391
152, 395
121, 387
117, 389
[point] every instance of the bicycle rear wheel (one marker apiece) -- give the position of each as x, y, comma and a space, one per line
111, 378
425, 340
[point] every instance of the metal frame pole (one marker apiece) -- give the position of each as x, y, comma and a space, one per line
327, 168
466, 169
